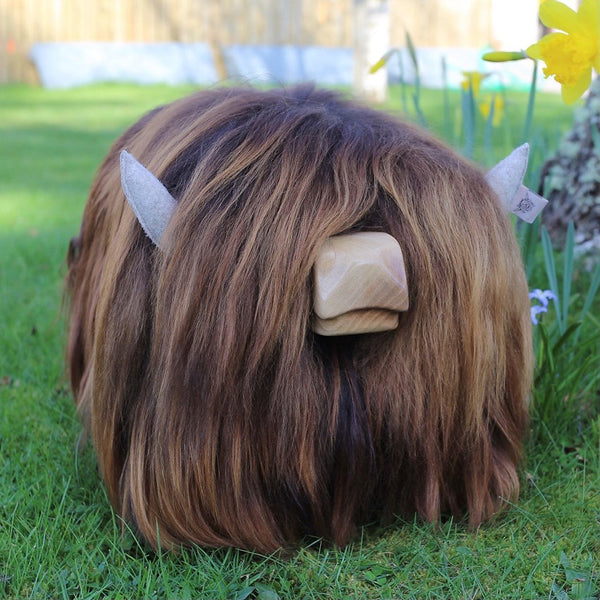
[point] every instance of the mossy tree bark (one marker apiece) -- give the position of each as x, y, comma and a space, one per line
571, 179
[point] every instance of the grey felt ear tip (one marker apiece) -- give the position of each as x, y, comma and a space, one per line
507, 176
127, 163
150, 200
523, 151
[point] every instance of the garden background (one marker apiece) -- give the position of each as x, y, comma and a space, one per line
58, 535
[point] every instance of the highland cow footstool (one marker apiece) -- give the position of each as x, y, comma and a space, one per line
293, 315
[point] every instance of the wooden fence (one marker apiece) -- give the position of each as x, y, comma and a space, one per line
296, 22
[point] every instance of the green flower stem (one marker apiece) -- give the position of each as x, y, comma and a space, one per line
468, 115
446, 99
417, 93
530, 103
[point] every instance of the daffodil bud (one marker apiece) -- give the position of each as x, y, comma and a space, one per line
504, 56
382, 61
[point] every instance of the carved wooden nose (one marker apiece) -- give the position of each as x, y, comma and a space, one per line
359, 284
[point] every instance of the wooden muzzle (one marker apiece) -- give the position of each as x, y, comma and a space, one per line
359, 284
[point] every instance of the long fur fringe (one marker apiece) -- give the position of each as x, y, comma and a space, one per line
218, 417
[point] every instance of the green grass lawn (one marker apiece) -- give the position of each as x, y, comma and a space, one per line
58, 536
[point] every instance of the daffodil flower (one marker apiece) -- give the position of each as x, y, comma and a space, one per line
473, 79
570, 56
486, 106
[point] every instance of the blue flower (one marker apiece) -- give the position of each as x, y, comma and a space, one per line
543, 297
535, 311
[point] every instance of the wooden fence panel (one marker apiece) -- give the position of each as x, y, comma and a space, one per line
224, 22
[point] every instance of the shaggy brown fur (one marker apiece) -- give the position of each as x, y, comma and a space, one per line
218, 416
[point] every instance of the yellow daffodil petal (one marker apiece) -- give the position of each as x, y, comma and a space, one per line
473, 79
589, 16
556, 15
571, 93
486, 107
535, 50
566, 56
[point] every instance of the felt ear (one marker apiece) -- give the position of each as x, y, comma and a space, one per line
506, 177
150, 200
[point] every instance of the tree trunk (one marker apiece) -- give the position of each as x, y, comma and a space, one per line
570, 180
371, 42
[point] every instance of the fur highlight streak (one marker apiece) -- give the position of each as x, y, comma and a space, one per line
218, 417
